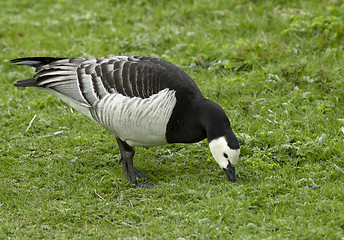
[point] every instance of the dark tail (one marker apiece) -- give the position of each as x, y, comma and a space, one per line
30, 82
33, 62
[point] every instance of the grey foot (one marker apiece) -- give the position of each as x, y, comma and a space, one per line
140, 175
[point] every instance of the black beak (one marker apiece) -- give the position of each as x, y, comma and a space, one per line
230, 172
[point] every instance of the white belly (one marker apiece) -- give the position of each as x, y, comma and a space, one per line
139, 122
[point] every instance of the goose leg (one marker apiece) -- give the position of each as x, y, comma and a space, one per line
139, 174
127, 155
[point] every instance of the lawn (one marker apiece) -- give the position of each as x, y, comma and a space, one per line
276, 67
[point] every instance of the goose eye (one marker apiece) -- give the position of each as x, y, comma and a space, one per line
225, 155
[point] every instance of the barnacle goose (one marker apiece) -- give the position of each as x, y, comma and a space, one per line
143, 101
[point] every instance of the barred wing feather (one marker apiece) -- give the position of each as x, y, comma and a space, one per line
126, 95
89, 80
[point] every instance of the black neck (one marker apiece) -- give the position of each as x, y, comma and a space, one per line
216, 124
202, 119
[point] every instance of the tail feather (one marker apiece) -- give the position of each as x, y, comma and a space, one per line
34, 61
30, 82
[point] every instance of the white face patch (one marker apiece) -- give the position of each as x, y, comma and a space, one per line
222, 153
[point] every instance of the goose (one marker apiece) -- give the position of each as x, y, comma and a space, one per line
142, 101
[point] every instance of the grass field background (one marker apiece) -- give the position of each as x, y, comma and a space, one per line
276, 67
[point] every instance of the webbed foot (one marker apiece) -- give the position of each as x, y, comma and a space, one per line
140, 175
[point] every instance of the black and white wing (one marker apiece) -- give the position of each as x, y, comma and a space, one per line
126, 95
88, 80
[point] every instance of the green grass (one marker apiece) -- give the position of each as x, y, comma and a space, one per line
276, 67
